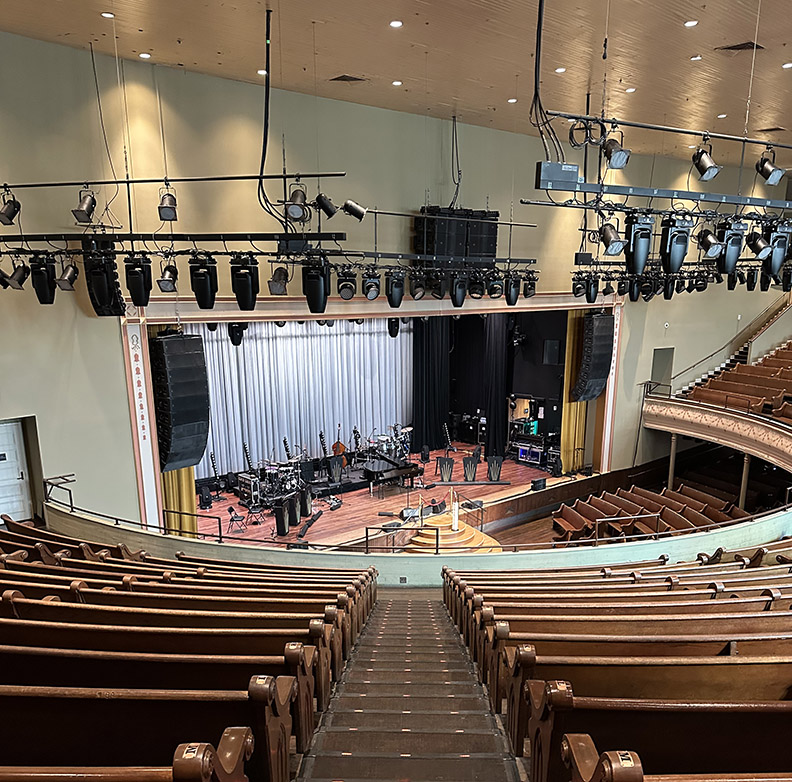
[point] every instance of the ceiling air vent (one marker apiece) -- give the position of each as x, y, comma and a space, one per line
346, 77
747, 46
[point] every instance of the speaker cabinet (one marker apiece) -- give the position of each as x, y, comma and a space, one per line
596, 359
181, 399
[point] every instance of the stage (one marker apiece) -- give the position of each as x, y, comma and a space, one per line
360, 509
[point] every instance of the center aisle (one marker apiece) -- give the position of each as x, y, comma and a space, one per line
409, 707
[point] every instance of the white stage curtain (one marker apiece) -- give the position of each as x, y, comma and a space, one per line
296, 380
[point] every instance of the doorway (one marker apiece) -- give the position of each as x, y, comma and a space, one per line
662, 366
15, 498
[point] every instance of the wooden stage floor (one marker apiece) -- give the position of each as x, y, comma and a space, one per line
360, 510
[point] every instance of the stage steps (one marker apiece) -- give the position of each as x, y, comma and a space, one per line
466, 540
409, 707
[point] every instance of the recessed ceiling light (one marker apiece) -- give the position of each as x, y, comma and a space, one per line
696, 57
560, 70
722, 116
396, 24
144, 56
787, 65
261, 72
397, 83
108, 15
512, 100
630, 89
691, 23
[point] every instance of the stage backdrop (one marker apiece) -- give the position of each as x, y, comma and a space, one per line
298, 379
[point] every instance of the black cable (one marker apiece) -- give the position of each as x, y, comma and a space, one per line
456, 166
107, 209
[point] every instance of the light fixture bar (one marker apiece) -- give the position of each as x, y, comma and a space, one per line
335, 236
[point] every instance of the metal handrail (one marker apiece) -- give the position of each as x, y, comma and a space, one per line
218, 519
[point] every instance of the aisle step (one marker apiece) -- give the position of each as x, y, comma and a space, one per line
410, 720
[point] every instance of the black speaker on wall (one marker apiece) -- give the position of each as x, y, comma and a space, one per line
596, 359
181, 399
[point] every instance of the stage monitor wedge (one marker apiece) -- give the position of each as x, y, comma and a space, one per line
595, 361
181, 399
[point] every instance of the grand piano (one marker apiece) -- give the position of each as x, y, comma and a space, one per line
383, 468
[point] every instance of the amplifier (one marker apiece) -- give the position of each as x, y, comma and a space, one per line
528, 453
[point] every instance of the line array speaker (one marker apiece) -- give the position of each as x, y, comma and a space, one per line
181, 399
596, 359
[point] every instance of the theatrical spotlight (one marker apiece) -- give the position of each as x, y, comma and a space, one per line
495, 286
705, 165
235, 333
393, 327
529, 287
354, 209
616, 155
68, 277
16, 280
638, 228
203, 279
578, 287
758, 246
608, 290
168, 279
245, 280
325, 205
138, 278
346, 283
297, 209
477, 287
417, 286
708, 243
10, 208
731, 282
786, 280
634, 290
371, 284
167, 205
42, 276
512, 289
394, 289
731, 233
609, 236
278, 282
674, 241
768, 170
459, 285
669, 287
751, 279
438, 285
592, 288
764, 282
622, 286
84, 212
776, 234
680, 285
648, 289
316, 286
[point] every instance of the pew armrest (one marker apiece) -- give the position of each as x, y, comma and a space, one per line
201, 763
587, 765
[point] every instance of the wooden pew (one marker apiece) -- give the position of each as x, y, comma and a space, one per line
742, 402
194, 761
772, 396
85, 726
667, 734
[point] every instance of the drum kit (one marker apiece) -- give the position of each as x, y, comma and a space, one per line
396, 444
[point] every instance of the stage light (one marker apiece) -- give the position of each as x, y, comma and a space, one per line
359, 321
245, 280
393, 327
622, 286
635, 288
278, 282
459, 289
203, 279
731, 233
354, 209
325, 205
138, 278
10, 209
68, 277
709, 244
764, 282
731, 282
476, 287
297, 209
211, 326
42, 277
280, 323
705, 165
371, 284
638, 228
669, 286
674, 241
235, 333
168, 279
495, 286
394, 288
592, 288
741, 276
438, 285
167, 206
777, 236
321, 322
751, 279
417, 286
529, 287
512, 289
768, 170
578, 288
316, 286
608, 290
84, 212
609, 236
346, 284
616, 155
758, 246
718, 278
786, 280
680, 285
16, 280
701, 284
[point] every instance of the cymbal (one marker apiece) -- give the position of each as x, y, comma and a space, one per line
407, 429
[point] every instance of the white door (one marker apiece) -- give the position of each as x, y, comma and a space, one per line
14, 478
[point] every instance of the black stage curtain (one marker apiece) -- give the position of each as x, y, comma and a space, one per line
496, 332
431, 382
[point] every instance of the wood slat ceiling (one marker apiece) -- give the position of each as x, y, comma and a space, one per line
467, 57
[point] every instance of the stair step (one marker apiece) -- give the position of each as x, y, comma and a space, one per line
408, 741
412, 720
407, 689
429, 676
439, 704
415, 769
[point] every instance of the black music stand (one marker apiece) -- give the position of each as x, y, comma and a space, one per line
470, 467
335, 465
494, 466
446, 467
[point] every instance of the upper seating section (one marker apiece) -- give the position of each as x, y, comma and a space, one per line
93, 637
